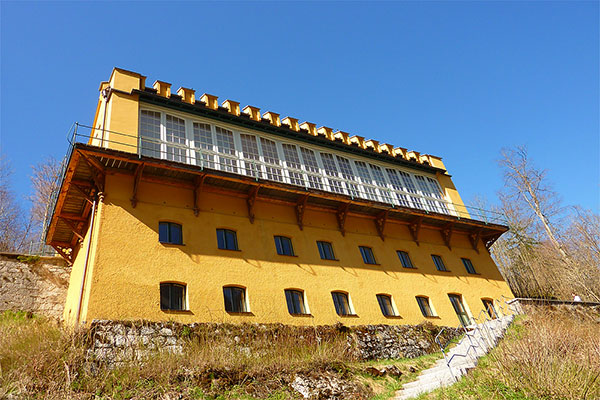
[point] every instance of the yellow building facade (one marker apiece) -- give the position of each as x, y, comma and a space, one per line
175, 207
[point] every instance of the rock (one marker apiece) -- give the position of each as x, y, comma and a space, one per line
328, 386
147, 330
375, 371
166, 332
393, 371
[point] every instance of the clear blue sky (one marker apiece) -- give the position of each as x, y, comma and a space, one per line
456, 79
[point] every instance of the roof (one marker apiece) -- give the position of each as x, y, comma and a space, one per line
229, 111
397, 156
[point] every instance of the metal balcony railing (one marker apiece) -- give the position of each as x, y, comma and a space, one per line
278, 169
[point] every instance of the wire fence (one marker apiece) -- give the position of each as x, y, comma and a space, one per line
38, 248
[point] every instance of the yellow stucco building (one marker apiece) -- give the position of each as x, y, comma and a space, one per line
176, 207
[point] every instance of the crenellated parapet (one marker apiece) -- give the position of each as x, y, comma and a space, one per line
127, 81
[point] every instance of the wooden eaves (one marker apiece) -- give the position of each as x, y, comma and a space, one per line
88, 166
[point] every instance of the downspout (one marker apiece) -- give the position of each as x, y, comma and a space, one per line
87, 259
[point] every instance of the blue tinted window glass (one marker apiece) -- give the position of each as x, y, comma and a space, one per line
367, 255
169, 232
175, 236
231, 240
163, 232
439, 263
405, 259
326, 250
321, 252
284, 246
278, 246
469, 266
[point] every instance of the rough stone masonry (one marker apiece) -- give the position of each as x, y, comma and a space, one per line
35, 284
121, 341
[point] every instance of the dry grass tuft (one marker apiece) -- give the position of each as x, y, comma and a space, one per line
545, 355
36, 356
39, 359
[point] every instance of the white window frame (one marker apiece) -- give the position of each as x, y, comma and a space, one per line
420, 199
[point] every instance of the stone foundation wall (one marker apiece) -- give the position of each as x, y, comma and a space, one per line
35, 284
120, 341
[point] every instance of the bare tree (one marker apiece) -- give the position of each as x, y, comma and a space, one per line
44, 180
14, 225
549, 251
525, 182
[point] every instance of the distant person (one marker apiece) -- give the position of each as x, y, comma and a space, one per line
576, 297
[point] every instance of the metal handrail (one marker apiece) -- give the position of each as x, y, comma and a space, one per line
476, 327
57, 184
258, 169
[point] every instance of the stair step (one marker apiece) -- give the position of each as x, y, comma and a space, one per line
476, 343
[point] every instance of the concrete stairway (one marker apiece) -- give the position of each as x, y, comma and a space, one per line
476, 343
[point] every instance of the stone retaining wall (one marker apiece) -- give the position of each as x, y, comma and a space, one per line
31, 283
119, 341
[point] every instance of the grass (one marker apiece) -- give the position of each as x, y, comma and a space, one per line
545, 355
41, 360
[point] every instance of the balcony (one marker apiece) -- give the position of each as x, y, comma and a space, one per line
265, 172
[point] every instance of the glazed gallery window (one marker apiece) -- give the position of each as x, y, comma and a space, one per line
439, 263
170, 233
425, 306
341, 303
283, 245
469, 266
326, 250
240, 151
295, 301
367, 255
150, 134
405, 259
385, 304
227, 239
172, 296
235, 299
175, 135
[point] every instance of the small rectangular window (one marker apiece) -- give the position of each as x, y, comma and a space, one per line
424, 306
295, 301
284, 246
385, 304
227, 239
367, 255
469, 266
439, 263
489, 308
325, 250
235, 299
170, 233
341, 303
460, 309
405, 259
172, 296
